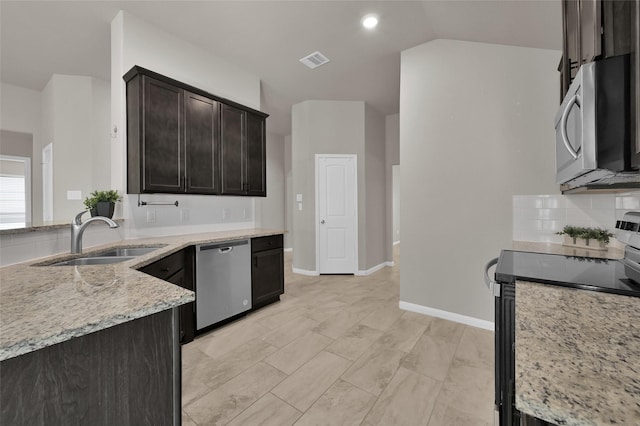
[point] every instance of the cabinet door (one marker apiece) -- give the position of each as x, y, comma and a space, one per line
635, 84
267, 276
232, 144
590, 30
202, 150
571, 28
256, 156
187, 314
163, 142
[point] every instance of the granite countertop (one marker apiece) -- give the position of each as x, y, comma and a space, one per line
553, 248
44, 305
577, 355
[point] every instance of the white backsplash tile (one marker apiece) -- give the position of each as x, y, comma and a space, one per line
539, 217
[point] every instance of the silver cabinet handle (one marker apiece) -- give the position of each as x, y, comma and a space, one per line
491, 285
563, 125
322, 221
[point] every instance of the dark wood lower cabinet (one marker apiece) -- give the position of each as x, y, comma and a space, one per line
179, 269
267, 270
128, 374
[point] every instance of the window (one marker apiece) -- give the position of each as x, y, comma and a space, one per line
15, 188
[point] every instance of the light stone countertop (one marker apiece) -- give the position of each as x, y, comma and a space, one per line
44, 305
577, 355
553, 248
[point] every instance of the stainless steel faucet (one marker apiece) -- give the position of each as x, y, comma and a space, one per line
78, 227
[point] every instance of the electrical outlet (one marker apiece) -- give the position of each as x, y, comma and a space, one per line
244, 213
151, 216
184, 215
74, 195
299, 206
225, 213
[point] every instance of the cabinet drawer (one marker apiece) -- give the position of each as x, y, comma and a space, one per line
166, 267
266, 243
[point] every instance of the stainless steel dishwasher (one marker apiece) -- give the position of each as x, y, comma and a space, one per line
223, 281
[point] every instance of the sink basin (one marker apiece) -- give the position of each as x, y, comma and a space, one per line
128, 251
96, 260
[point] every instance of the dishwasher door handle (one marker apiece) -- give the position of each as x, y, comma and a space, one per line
225, 249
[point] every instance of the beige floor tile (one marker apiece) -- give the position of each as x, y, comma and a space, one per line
414, 316
322, 312
222, 341
303, 387
298, 352
282, 317
476, 347
186, 420
343, 320
430, 357
355, 342
193, 385
218, 407
407, 400
444, 415
267, 411
343, 404
216, 372
402, 335
444, 330
383, 318
374, 370
290, 331
469, 389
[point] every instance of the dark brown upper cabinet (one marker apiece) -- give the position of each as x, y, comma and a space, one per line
181, 139
593, 29
202, 122
243, 153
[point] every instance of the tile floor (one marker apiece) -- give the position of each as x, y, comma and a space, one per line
337, 350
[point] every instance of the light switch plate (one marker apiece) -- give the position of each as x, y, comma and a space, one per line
74, 195
184, 215
300, 206
151, 216
298, 197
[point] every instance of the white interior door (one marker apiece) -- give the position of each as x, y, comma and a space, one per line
336, 208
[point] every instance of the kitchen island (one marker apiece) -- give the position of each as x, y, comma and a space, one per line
577, 355
94, 344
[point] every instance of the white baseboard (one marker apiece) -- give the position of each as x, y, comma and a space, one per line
451, 316
288, 249
304, 272
374, 269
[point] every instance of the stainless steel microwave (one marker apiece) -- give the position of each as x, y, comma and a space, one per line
593, 125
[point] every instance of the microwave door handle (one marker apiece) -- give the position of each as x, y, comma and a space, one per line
563, 126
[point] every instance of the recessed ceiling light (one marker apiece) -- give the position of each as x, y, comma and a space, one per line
369, 21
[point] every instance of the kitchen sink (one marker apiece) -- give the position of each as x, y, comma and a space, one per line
128, 251
114, 255
95, 260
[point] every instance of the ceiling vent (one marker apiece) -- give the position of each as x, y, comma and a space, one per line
314, 60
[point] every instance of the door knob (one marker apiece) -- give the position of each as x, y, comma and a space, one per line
322, 221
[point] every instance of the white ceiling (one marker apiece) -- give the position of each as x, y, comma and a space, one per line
267, 38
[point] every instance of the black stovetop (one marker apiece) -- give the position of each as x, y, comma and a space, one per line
604, 275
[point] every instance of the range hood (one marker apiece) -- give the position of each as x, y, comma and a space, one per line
603, 181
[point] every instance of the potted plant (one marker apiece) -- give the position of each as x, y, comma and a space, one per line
102, 203
591, 238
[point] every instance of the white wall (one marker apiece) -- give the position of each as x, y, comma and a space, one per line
270, 210
323, 127
339, 127
136, 42
75, 119
289, 202
375, 186
392, 158
20, 112
476, 128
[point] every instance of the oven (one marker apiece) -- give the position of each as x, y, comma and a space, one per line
587, 273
